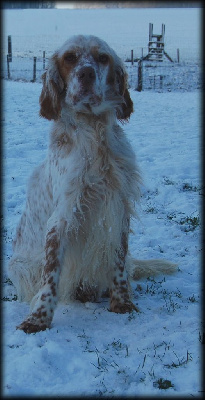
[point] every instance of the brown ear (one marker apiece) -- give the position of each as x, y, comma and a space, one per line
126, 109
127, 106
51, 94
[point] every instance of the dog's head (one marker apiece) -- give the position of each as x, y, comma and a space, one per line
88, 76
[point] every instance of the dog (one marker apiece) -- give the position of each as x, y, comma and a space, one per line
72, 239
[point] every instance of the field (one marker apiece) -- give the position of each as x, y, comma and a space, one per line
89, 351
52, 31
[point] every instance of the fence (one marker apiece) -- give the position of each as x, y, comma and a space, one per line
143, 74
165, 76
24, 68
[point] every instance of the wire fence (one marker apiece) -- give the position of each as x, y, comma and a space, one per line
166, 75
157, 76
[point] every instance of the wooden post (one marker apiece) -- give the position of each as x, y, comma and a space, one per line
139, 88
34, 69
132, 59
163, 32
150, 31
8, 69
178, 55
9, 49
44, 59
161, 81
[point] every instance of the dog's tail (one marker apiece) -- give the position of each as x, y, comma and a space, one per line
144, 268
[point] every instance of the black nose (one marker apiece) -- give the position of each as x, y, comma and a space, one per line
86, 75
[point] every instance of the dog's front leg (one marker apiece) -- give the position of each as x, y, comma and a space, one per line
119, 292
44, 302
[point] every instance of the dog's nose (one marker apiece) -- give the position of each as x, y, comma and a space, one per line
86, 75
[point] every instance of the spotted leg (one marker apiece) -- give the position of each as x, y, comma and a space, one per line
43, 304
119, 292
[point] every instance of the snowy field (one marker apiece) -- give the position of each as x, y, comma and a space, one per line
36, 30
123, 29
88, 350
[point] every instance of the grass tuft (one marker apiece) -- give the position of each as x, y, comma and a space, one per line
163, 384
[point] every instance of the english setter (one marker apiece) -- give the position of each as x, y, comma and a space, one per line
72, 239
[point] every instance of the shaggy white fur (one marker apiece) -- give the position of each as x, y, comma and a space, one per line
74, 231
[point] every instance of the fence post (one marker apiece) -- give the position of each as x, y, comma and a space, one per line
44, 59
9, 49
161, 81
34, 69
178, 55
132, 57
8, 69
139, 87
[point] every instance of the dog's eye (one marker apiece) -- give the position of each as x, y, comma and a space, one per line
103, 58
70, 58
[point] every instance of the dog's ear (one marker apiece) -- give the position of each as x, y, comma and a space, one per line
51, 94
126, 108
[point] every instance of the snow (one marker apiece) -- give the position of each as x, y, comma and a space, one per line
123, 29
88, 350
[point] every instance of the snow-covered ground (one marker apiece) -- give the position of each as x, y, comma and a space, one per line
88, 350
36, 30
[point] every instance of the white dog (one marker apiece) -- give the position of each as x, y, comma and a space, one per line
72, 239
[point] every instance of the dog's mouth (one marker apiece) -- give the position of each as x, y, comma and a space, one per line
91, 101
86, 101
87, 98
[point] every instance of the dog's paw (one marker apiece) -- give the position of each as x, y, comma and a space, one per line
32, 325
122, 308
